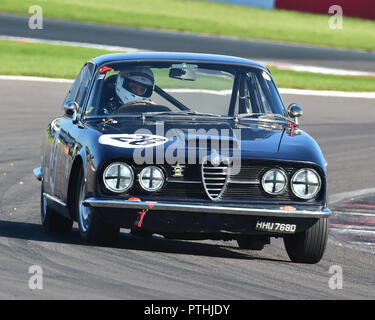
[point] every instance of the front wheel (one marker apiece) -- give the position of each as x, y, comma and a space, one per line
308, 246
92, 227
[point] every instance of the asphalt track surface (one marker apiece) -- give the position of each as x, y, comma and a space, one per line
156, 268
156, 40
354, 220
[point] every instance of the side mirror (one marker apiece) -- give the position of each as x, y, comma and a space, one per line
295, 111
71, 109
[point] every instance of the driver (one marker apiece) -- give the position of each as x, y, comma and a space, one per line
132, 86
135, 85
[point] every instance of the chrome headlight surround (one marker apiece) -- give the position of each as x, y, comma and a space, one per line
274, 181
306, 183
118, 177
151, 178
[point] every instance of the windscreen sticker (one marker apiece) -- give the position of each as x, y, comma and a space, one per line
132, 140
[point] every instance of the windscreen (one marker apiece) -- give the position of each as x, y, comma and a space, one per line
120, 90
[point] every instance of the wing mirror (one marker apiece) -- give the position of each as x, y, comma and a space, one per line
295, 111
71, 109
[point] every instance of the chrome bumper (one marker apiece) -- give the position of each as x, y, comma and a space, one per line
163, 206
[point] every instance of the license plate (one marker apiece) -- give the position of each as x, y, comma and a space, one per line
275, 227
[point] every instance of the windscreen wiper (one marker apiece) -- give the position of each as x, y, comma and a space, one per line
184, 112
276, 116
197, 113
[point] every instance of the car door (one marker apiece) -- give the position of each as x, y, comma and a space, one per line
52, 152
66, 142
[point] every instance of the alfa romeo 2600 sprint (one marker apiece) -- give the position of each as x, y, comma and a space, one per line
188, 146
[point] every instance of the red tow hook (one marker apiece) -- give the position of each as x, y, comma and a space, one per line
138, 222
141, 214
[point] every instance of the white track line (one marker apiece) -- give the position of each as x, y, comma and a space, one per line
326, 93
70, 43
279, 65
350, 229
320, 93
348, 195
337, 94
35, 79
356, 214
216, 92
315, 69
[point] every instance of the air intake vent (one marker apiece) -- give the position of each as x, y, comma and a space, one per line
214, 177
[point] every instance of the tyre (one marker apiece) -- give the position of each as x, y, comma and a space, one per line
92, 227
51, 220
308, 246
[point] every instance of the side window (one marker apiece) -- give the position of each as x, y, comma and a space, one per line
263, 89
252, 97
80, 86
248, 97
73, 90
84, 85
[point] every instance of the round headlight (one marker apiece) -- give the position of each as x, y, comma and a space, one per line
306, 183
118, 177
151, 178
274, 181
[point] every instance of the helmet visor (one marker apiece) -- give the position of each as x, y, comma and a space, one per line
137, 88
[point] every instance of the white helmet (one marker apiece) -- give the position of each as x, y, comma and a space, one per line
134, 84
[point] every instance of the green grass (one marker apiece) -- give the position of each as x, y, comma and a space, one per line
208, 17
316, 81
55, 61
43, 60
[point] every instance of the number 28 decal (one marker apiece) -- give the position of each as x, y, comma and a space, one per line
132, 140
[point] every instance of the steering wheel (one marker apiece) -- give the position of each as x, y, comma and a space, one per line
124, 107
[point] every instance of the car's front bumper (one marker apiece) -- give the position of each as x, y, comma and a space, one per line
191, 220
268, 211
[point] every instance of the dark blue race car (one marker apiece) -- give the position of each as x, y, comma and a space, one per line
188, 146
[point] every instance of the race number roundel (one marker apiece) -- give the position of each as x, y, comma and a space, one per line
132, 140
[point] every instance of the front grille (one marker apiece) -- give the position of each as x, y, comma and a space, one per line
254, 192
214, 178
221, 183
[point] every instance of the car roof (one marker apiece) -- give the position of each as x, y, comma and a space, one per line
176, 57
